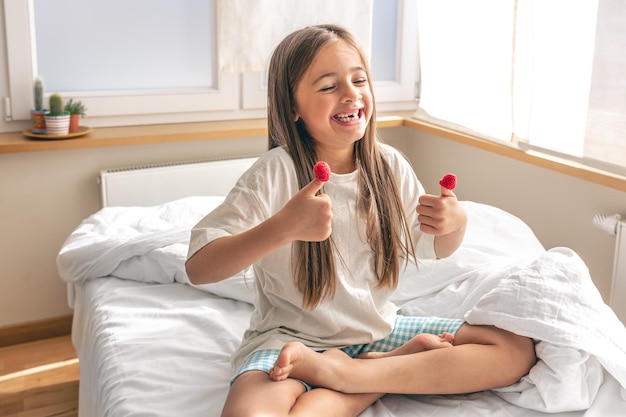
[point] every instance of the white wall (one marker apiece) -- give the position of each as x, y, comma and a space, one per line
45, 195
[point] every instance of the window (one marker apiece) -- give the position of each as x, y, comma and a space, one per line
166, 66
173, 37
544, 75
139, 60
393, 59
605, 131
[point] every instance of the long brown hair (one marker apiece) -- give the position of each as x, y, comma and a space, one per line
379, 199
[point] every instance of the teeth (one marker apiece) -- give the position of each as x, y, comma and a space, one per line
347, 116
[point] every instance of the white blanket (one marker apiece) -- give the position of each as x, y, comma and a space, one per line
145, 244
501, 275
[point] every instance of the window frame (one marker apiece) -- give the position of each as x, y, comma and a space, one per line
402, 94
22, 68
236, 95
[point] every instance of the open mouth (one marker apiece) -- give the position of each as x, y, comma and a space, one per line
349, 117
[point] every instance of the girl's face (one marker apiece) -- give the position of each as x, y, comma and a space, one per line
333, 99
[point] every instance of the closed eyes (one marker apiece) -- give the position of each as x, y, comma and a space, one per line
357, 82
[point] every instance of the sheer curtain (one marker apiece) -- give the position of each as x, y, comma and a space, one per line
465, 50
554, 45
534, 73
250, 29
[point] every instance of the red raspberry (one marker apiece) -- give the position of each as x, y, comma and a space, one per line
448, 181
321, 170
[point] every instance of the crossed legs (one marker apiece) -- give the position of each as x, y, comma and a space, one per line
254, 393
483, 357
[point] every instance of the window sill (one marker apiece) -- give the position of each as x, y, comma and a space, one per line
15, 142
553, 163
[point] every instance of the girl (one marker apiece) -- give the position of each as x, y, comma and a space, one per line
327, 255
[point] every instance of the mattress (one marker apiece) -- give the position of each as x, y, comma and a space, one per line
154, 349
163, 350
151, 344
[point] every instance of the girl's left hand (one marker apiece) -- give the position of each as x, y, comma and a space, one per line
441, 215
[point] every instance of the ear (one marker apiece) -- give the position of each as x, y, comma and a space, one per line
296, 117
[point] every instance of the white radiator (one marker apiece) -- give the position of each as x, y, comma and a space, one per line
615, 226
151, 185
618, 286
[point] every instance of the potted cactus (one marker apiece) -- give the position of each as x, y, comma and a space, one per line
57, 120
38, 113
77, 110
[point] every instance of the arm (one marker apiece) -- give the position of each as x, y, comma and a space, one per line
305, 217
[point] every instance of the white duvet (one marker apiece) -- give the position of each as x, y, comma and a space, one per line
501, 276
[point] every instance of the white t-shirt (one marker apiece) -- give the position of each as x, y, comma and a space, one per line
359, 312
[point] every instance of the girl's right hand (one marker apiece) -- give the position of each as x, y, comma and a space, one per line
307, 216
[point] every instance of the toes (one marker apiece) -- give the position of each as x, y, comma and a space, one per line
371, 355
446, 337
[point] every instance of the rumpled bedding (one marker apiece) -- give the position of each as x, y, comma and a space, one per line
500, 276
144, 244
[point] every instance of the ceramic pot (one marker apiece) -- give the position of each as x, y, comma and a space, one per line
58, 125
38, 121
74, 123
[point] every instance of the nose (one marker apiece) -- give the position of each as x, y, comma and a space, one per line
351, 94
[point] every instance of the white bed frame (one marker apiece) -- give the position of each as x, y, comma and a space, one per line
150, 185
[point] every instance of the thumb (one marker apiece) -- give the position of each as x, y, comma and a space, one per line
313, 187
445, 192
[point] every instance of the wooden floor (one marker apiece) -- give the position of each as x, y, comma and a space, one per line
39, 379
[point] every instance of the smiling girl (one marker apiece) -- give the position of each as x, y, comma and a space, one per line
327, 256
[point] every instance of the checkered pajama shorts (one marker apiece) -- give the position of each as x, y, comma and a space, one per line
405, 329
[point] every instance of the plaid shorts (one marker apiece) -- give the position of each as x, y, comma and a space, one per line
405, 329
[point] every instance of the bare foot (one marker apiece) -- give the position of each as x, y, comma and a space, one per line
298, 361
419, 343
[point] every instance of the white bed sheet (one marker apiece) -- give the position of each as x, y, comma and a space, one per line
154, 349
163, 350
150, 344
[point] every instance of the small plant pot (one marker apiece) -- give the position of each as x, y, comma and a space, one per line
74, 123
58, 125
38, 121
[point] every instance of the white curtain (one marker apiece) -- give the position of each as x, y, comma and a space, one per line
249, 30
554, 49
519, 70
466, 63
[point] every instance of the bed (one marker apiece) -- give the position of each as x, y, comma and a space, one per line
152, 344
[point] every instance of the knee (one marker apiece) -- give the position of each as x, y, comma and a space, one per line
521, 355
514, 354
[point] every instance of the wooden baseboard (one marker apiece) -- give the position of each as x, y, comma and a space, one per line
35, 330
